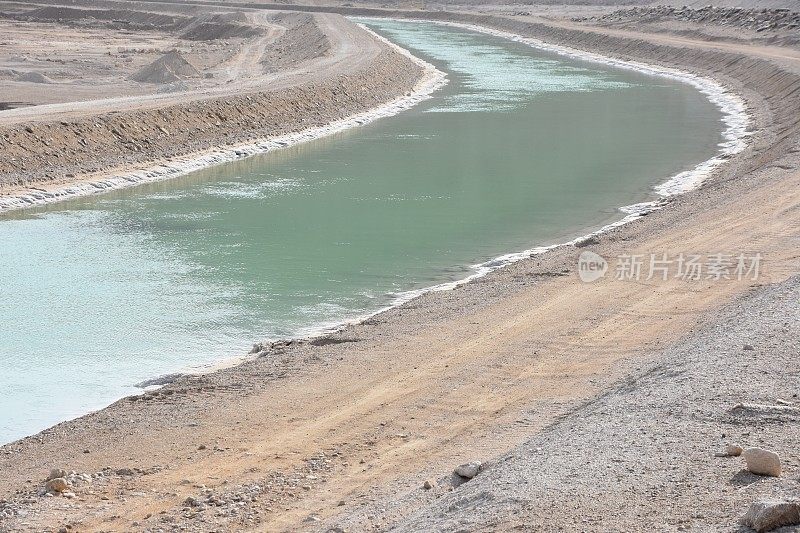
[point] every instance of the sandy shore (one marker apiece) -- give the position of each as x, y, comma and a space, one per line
540, 375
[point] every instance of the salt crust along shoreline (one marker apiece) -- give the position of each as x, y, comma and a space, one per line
735, 118
431, 80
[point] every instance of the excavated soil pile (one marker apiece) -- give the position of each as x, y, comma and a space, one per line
33, 77
303, 40
221, 26
169, 68
133, 19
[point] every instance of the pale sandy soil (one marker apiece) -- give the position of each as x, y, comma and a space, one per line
234, 65
54, 45
644, 455
302, 70
341, 432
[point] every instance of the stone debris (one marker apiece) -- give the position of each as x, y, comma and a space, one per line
733, 17
733, 450
767, 515
762, 462
56, 473
468, 470
58, 484
429, 484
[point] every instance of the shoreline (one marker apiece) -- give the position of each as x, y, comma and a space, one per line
457, 376
55, 147
734, 116
431, 80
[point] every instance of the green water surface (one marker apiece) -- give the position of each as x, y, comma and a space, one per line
522, 148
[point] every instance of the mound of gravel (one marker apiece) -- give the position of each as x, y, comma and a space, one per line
136, 19
33, 77
211, 31
169, 68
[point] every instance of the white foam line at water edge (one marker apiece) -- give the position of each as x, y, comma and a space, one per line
734, 110
735, 118
432, 80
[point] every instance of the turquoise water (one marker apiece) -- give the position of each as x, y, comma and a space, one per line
522, 148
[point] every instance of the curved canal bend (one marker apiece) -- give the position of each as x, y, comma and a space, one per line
522, 148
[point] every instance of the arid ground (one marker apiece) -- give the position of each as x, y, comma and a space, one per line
598, 406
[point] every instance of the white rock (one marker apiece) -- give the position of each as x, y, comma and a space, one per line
468, 470
762, 462
767, 515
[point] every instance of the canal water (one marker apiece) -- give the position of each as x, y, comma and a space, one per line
522, 148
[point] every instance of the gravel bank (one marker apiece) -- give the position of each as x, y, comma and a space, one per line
753, 19
641, 456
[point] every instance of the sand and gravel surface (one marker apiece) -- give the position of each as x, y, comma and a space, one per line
223, 79
648, 453
594, 406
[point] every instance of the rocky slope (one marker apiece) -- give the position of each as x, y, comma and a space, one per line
737, 17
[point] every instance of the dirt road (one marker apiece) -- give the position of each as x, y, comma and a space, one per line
350, 50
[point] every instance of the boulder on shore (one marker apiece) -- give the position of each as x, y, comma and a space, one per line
468, 470
58, 484
762, 462
767, 515
733, 450
55, 473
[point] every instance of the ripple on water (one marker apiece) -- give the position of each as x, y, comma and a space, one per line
496, 79
241, 189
